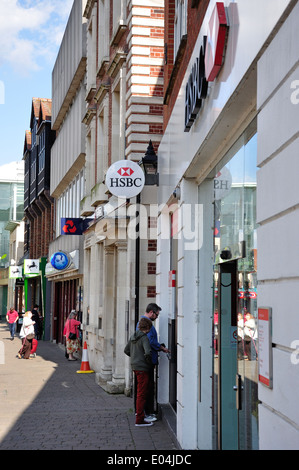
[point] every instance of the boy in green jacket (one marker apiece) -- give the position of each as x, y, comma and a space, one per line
139, 350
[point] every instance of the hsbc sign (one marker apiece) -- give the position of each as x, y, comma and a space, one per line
207, 65
125, 179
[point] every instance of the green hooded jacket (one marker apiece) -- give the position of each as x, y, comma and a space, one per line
139, 350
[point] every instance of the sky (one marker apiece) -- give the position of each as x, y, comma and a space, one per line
30, 36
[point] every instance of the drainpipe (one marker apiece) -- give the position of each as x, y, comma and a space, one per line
137, 262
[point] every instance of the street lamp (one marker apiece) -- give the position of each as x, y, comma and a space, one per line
149, 163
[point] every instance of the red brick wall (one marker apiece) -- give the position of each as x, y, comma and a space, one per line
41, 229
151, 291
155, 130
152, 245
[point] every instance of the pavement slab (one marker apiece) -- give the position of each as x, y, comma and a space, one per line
46, 405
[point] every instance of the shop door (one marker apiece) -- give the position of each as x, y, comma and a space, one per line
235, 359
247, 360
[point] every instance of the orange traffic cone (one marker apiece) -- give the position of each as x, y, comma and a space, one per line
85, 369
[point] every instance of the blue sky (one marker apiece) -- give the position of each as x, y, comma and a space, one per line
30, 35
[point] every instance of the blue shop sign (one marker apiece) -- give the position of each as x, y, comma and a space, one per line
60, 260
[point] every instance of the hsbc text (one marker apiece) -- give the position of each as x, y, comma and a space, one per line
125, 182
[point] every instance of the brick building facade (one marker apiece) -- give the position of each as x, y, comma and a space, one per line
125, 50
38, 204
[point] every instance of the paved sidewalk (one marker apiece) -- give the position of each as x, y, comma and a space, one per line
46, 405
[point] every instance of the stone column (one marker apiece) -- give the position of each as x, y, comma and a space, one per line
118, 375
105, 374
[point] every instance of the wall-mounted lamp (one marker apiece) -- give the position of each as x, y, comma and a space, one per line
149, 163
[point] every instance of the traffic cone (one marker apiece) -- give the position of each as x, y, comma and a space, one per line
85, 368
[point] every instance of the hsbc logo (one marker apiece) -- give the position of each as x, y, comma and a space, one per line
125, 171
125, 179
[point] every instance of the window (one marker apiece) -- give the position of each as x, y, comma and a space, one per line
116, 125
42, 151
33, 139
180, 23
118, 14
235, 238
103, 42
33, 171
102, 148
91, 47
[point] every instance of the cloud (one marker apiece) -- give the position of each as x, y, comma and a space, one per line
31, 32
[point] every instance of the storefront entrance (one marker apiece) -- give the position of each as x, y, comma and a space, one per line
67, 297
235, 362
235, 342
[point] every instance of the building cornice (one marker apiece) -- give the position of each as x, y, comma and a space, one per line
88, 8
116, 64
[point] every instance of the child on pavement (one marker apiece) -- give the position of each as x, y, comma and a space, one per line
139, 350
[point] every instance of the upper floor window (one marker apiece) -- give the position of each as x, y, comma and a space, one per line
33, 171
103, 30
42, 151
180, 23
118, 12
119, 19
33, 133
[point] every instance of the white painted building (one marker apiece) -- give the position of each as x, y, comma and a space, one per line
68, 167
237, 166
11, 233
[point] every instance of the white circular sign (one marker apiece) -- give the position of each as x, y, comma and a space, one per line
125, 179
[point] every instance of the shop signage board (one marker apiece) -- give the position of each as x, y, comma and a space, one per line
15, 272
265, 346
71, 226
215, 41
207, 65
60, 260
31, 267
125, 179
74, 226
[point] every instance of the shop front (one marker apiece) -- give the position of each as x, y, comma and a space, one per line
208, 161
63, 272
210, 304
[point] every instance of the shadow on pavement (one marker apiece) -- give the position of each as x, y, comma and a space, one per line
47, 405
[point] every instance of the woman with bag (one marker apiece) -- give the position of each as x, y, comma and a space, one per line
27, 335
71, 333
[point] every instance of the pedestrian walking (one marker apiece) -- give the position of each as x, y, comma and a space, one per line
35, 318
71, 333
139, 350
27, 335
12, 317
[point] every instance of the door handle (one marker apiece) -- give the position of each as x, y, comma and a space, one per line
238, 389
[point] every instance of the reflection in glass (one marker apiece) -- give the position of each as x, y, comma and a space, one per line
235, 228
